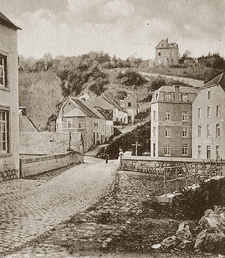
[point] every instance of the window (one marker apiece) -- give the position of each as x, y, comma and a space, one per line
129, 104
217, 110
209, 94
185, 149
4, 132
208, 130
199, 131
217, 130
184, 116
199, 113
96, 124
167, 116
167, 132
185, 97
217, 152
69, 123
154, 115
2, 71
208, 111
185, 132
159, 54
97, 135
208, 150
153, 132
167, 150
80, 125
199, 151
167, 97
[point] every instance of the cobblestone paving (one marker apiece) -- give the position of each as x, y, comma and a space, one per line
29, 208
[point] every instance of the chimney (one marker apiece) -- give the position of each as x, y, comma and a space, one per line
177, 93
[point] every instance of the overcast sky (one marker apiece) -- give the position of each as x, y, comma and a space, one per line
120, 27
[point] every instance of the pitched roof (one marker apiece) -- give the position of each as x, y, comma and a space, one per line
113, 102
218, 80
107, 114
83, 106
5, 21
100, 102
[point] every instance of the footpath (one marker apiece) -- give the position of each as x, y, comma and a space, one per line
31, 207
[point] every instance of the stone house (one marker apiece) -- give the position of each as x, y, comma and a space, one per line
9, 116
208, 120
166, 53
119, 114
77, 115
171, 121
106, 110
130, 104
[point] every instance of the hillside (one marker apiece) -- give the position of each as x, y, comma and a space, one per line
40, 93
45, 82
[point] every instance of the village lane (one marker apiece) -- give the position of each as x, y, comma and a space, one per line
28, 210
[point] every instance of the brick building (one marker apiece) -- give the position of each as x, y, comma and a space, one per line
171, 121
9, 110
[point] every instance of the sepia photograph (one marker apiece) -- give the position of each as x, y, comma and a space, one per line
112, 133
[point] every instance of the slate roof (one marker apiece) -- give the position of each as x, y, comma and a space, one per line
5, 21
107, 114
113, 102
183, 89
218, 80
85, 109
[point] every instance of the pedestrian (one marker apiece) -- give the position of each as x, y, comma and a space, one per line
106, 155
120, 157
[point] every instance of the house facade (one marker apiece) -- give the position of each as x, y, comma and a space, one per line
171, 121
9, 114
130, 104
166, 53
208, 120
119, 114
77, 115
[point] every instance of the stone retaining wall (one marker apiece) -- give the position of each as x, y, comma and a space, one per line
158, 165
49, 142
37, 165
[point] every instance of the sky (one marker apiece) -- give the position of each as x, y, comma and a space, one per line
123, 28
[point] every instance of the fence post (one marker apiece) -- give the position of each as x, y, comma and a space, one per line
186, 173
176, 179
216, 168
195, 173
164, 170
221, 167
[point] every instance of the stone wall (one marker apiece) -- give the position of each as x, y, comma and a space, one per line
158, 165
37, 165
49, 142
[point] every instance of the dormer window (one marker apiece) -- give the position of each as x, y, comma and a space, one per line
167, 97
184, 97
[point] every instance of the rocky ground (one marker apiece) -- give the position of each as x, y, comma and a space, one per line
118, 225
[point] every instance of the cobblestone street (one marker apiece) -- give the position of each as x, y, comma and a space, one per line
29, 208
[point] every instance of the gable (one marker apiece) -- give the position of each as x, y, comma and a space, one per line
70, 110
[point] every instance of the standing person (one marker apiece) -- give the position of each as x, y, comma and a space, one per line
120, 157
106, 155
